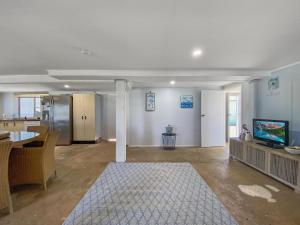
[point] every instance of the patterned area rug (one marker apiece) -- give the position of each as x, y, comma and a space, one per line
150, 193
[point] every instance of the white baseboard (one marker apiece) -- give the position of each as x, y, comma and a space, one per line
109, 139
177, 146
143, 146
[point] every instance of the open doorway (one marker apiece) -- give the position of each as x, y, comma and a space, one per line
232, 115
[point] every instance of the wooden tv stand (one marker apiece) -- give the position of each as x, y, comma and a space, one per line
276, 163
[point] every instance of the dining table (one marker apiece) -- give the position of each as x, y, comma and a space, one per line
16, 139
20, 138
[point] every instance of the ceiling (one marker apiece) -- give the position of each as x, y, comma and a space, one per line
146, 42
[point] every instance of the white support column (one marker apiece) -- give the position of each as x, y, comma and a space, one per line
121, 86
248, 101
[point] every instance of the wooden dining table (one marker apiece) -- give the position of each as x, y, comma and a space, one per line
17, 139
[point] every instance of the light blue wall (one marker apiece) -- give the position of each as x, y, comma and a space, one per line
9, 104
284, 104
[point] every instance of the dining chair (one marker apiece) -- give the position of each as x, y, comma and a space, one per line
33, 165
5, 197
42, 130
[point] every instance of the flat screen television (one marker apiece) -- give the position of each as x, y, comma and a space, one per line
273, 132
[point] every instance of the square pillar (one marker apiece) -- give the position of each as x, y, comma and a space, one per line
121, 91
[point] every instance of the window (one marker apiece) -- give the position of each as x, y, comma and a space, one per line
29, 106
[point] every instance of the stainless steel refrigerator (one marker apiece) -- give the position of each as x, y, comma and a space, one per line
57, 114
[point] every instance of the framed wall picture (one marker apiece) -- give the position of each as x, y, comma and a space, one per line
273, 86
150, 101
186, 102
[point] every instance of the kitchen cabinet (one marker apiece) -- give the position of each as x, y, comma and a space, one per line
3, 125
17, 125
12, 125
7, 125
86, 117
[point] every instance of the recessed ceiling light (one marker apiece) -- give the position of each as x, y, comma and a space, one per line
197, 52
172, 82
67, 86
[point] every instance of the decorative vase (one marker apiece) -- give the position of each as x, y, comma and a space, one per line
169, 129
248, 136
242, 136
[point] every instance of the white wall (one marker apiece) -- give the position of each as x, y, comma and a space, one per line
127, 114
248, 103
145, 128
9, 103
108, 116
233, 88
284, 104
98, 122
1, 104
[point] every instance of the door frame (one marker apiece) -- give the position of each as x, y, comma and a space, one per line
227, 112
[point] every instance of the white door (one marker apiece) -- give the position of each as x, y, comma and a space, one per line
212, 118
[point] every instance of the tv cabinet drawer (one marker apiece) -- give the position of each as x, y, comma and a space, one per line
284, 168
236, 149
256, 158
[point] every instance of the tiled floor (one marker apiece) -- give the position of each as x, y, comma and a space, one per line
79, 165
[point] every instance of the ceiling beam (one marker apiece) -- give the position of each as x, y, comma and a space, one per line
162, 73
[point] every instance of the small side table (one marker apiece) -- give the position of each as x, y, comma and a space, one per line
169, 141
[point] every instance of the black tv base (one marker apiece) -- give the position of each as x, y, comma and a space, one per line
271, 145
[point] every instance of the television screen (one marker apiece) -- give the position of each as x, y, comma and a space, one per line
273, 131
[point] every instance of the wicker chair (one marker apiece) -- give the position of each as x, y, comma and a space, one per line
5, 199
43, 131
33, 165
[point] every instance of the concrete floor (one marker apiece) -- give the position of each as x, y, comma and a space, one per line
79, 165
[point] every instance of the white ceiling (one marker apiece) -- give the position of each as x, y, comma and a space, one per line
240, 40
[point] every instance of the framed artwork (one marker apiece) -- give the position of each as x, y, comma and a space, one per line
150, 101
273, 83
273, 86
186, 102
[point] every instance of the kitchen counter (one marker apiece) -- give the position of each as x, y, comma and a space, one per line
19, 119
